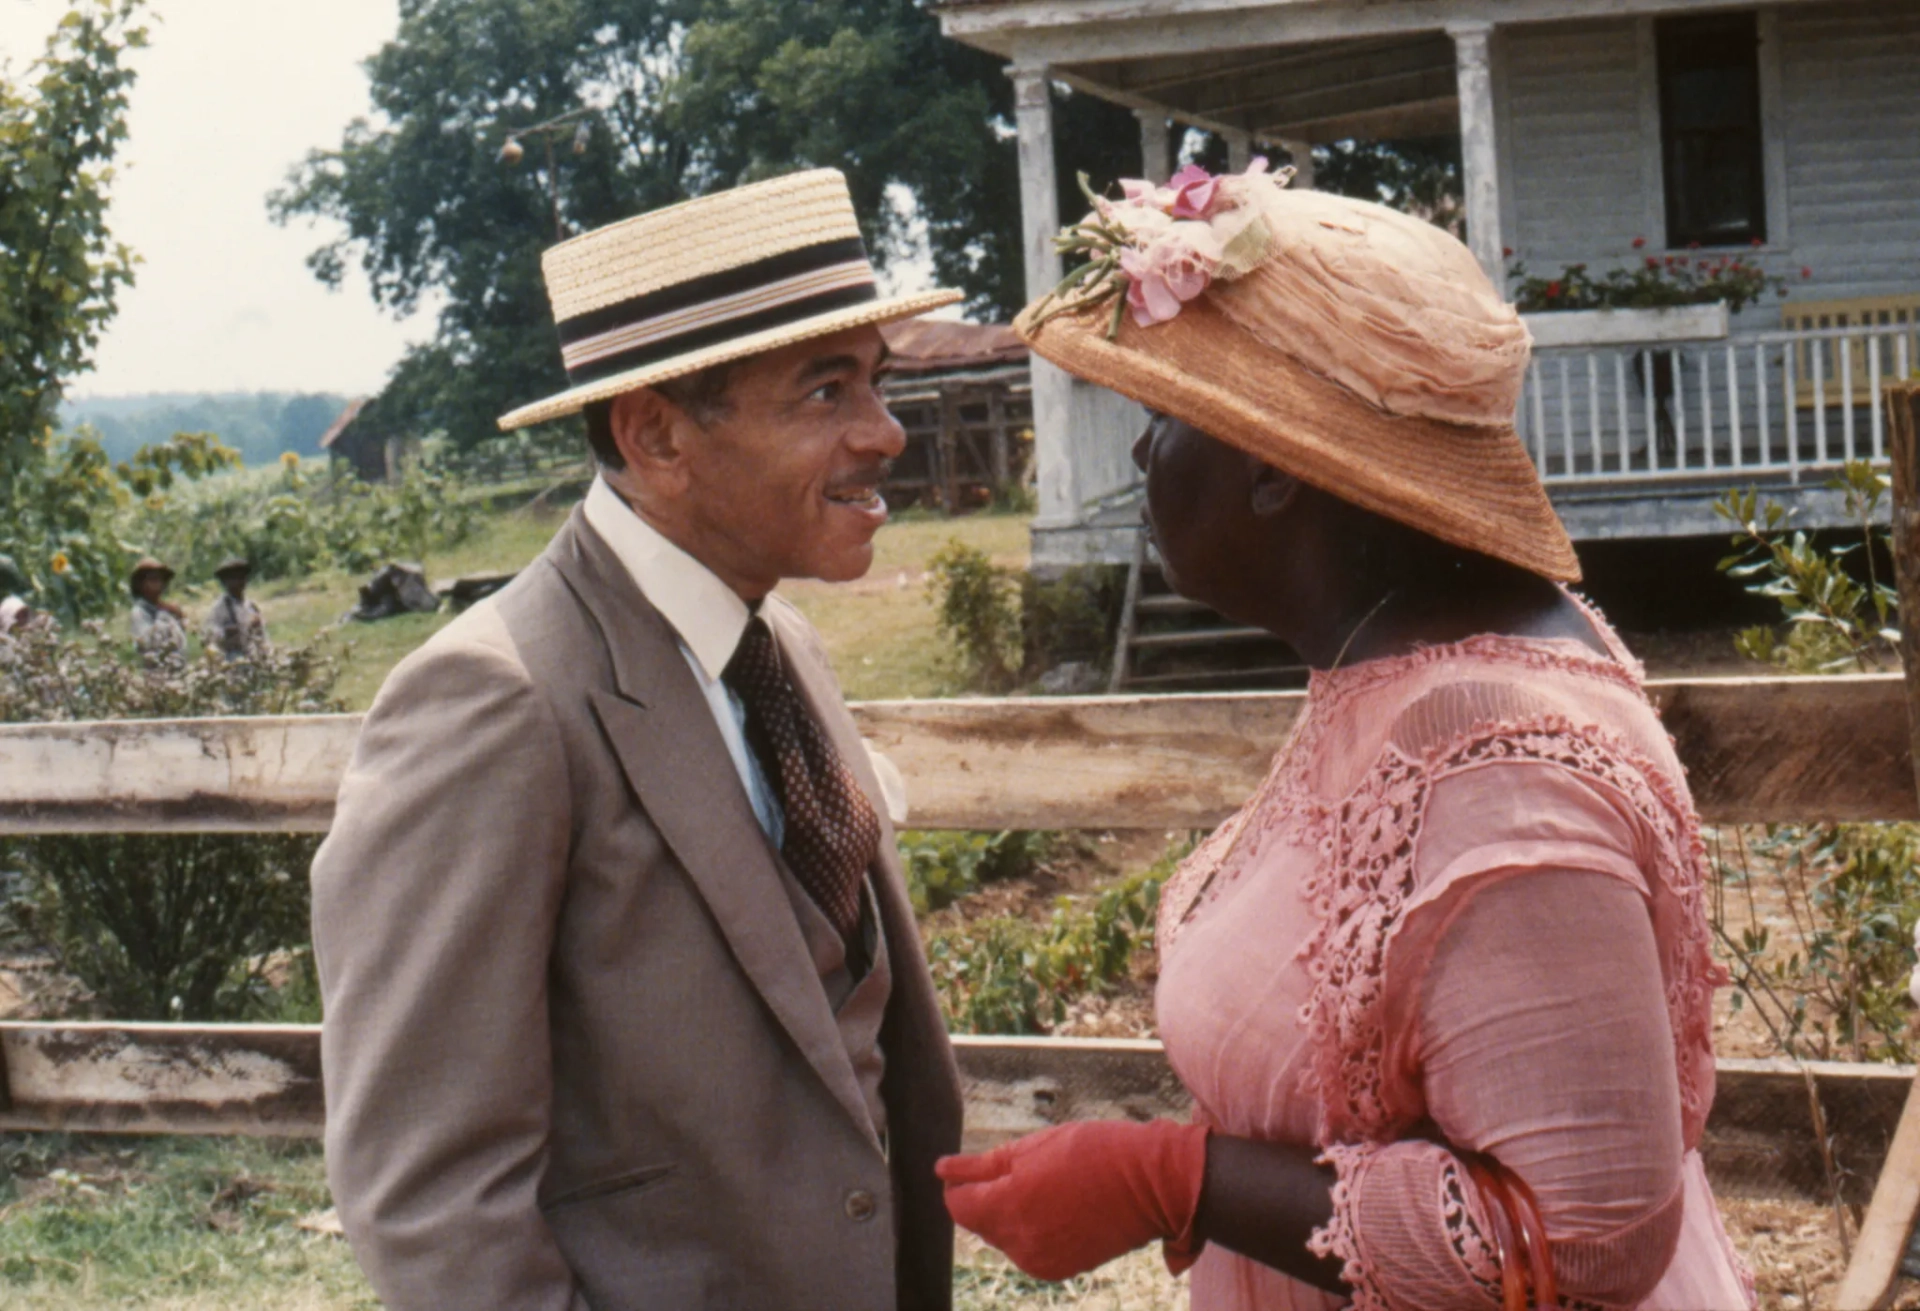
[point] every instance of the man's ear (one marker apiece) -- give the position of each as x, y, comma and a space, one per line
649, 430
1272, 490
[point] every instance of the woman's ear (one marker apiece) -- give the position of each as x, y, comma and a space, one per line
1272, 491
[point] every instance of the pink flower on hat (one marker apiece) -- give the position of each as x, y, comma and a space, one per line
1194, 191
1160, 247
1173, 270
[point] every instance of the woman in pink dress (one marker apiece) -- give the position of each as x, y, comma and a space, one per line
1446, 977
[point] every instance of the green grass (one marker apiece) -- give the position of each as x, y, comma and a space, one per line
181, 1224
174, 1223
880, 630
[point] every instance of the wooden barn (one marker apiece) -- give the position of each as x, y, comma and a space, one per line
963, 394
1602, 132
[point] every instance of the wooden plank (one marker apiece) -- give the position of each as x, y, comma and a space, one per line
1756, 750
258, 1080
266, 774
239, 1079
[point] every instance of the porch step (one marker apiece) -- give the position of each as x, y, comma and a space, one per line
1168, 641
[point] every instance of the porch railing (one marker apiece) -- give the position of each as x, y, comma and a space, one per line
1767, 406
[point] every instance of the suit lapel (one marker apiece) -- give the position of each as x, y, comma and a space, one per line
663, 733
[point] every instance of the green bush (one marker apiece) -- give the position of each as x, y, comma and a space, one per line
62, 535
979, 612
1828, 979
1006, 626
943, 866
1006, 974
289, 522
162, 927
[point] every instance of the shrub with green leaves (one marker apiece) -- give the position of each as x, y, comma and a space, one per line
1828, 976
979, 612
161, 927
944, 866
289, 521
1006, 974
1839, 611
1007, 625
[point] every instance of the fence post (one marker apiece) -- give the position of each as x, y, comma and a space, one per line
1874, 1272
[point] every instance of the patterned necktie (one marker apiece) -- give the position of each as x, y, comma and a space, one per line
832, 833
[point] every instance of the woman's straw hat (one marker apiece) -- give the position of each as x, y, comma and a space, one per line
1364, 352
670, 293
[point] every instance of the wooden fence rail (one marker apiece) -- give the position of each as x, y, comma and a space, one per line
1756, 749
261, 1080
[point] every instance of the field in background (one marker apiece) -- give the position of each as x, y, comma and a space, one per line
879, 630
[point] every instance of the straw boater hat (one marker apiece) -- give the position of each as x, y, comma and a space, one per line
709, 281
1355, 347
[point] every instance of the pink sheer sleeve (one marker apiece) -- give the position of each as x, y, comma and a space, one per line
1541, 1034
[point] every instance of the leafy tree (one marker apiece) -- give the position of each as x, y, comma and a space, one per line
1421, 177
61, 121
686, 97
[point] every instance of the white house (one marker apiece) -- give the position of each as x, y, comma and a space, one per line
1788, 132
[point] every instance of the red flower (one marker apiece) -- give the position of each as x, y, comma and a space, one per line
1653, 263
1553, 290
1669, 261
1506, 252
1639, 242
1757, 242
1806, 272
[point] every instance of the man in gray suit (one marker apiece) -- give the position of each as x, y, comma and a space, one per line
625, 1003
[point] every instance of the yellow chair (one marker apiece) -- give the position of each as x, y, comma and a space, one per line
1900, 312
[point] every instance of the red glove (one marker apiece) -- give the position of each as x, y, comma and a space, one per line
1066, 1200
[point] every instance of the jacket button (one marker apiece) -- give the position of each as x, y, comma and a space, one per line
861, 1206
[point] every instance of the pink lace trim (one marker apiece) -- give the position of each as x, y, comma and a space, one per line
1360, 893
1476, 1255
1338, 1239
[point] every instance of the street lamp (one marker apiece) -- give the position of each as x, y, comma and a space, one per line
574, 123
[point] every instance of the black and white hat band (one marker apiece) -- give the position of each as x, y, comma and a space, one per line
688, 316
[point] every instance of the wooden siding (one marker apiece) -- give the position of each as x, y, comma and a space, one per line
1572, 114
1849, 112
1851, 92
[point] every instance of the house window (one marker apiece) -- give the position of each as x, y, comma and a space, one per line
1710, 141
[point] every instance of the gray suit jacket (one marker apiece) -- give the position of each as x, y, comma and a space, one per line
576, 1053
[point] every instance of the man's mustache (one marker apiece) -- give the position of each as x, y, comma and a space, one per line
867, 475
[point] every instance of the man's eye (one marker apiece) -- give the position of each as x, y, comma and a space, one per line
826, 391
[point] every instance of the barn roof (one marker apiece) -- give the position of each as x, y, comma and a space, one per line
340, 425
950, 346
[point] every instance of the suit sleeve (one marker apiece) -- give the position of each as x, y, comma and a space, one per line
435, 899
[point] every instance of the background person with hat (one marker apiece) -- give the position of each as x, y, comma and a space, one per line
625, 1003
1442, 991
234, 625
157, 625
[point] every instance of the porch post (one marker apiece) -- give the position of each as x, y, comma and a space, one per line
1156, 148
1239, 151
1302, 153
1478, 159
1040, 221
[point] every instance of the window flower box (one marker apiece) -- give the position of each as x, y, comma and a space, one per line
1628, 327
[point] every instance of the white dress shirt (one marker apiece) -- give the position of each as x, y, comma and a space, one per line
707, 616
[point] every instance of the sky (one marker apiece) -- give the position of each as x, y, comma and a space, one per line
230, 95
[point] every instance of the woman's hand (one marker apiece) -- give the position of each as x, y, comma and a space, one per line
1069, 1199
